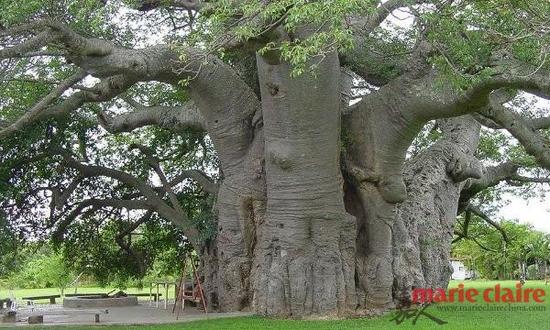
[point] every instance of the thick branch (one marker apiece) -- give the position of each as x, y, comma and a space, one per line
199, 177
540, 123
175, 215
431, 100
154, 163
525, 179
536, 123
465, 225
59, 198
126, 246
32, 44
384, 10
477, 211
534, 143
105, 90
31, 115
147, 191
146, 5
95, 204
174, 118
477, 96
226, 102
491, 177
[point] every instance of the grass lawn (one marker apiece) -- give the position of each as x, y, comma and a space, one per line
456, 319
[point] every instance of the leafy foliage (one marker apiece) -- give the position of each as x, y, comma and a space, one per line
40, 267
489, 254
311, 28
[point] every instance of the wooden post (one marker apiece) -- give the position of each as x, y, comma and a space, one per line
150, 294
166, 284
36, 319
158, 300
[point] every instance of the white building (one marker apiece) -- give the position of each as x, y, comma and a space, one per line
460, 272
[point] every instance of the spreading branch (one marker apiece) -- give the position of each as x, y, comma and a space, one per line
173, 118
103, 91
384, 10
154, 163
126, 245
33, 113
477, 211
199, 177
465, 235
27, 46
525, 179
89, 205
60, 197
523, 130
152, 199
491, 176
195, 5
537, 123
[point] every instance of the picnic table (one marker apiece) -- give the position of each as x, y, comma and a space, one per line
155, 296
164, 283
50, 297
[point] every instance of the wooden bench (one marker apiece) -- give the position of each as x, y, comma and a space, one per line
86, 294
155, 296
37, 315
50, 297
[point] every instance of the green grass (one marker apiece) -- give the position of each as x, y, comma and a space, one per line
456, 319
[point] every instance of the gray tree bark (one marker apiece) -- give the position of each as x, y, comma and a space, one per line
305, 261
424, 224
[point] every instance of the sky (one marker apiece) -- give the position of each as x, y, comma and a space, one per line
535, 211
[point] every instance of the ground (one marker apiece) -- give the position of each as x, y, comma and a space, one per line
455, 319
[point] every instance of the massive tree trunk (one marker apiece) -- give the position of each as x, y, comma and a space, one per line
287, 246
305, 263
233, 119
424, 223
379, 133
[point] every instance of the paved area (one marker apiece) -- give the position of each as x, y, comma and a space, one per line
141, 314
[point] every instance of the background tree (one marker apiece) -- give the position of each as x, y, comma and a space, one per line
485, 251
10, 247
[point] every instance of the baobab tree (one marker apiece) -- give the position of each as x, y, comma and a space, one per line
311, 107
